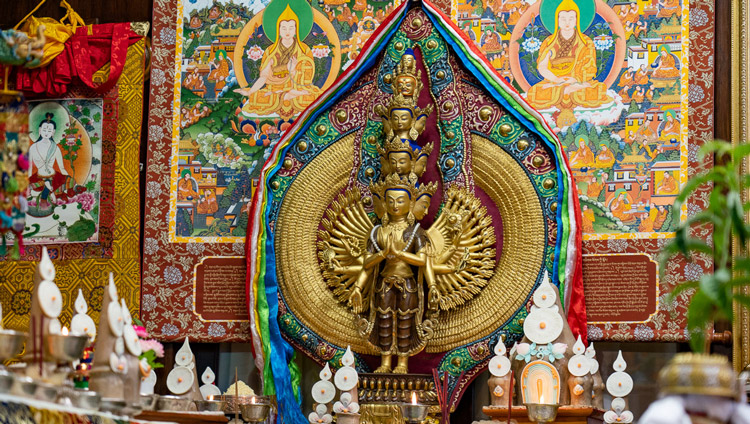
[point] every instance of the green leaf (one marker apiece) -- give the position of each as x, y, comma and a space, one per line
699, 315
742, 299
682, 287
81, 230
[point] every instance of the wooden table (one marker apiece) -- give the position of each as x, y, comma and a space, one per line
566, 414
182, 417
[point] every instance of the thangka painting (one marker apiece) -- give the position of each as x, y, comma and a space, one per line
84, 196
228, 78
627, 87
65, 171
246, 69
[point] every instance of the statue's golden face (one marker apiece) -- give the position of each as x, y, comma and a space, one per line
421, 207
400, 162
406, 85
397, 202
408, 61
401, 119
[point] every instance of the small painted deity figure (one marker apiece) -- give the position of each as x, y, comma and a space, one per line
285, 85
666, 65
185, 189
219, 72
48, 178
668, 184
583, 156
620, 207
567, 61
670, 130
605, 158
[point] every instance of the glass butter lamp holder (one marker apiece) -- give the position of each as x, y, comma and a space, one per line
414, 412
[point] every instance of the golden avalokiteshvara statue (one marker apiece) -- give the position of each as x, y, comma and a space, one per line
393, 274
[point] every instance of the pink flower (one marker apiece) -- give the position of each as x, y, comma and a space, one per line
154, 345
140, 331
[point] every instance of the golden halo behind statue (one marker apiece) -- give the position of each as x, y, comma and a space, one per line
305, 291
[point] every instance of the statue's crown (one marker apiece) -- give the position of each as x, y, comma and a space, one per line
397, 145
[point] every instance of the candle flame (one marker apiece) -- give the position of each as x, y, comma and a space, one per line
413, 398
65, 331
252, 399
210, 397
541, 398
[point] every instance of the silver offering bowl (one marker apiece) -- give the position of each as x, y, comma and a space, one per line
210, 405
414, 413
255, 412
86, 399
11, 343
6, 381
113, 406
24, 386
65, 348
46, 392
148, 402
542, 413
173, 403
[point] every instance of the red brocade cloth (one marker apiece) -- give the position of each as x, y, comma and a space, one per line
87, 51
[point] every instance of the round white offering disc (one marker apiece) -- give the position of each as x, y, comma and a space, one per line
208, 376
209, 390
118, 363
499, 366
126, 317
544, 296
50, 299
119, 346
618, 404
54, 326
131, 341
346, 378
619, 384
593, 366
180, 380
323, 391
579, 365
83, 324
114, 316
150, 378
543, 326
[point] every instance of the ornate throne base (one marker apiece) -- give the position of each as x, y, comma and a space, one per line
381, 394
566, 414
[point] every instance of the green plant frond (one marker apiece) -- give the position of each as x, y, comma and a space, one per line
739, 151
680, 288
742, 299
684, 246
717, 147
700, 314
